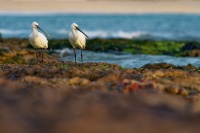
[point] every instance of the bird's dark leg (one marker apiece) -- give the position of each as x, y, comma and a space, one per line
42, 55
36, 54
81, 56
75, 54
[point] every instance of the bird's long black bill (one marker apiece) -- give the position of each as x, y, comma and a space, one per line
82, 32
43, 31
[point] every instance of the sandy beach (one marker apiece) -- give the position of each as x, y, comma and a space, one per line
99, 6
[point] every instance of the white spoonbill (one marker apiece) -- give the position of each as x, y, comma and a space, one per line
37, 39
77, 39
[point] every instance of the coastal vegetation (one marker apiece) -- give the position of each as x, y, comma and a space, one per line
154, 47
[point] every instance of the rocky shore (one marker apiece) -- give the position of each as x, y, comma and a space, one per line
60, 97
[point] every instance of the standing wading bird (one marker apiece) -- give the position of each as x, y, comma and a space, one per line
37, 39
77, 39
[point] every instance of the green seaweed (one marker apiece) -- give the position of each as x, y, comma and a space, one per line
134, 46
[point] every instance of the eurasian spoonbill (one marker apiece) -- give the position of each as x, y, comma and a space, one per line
77, 39
37, 39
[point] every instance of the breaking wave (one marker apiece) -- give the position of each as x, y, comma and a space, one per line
117, 34
62, 33
13, 33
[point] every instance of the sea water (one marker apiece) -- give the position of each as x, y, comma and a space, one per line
179, 27
127, 60
150, 26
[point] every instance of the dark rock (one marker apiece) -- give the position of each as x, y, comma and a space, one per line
190, 46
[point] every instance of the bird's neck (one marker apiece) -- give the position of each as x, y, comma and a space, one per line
75, 32
35, 31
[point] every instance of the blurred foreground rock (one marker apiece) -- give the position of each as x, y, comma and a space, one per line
60, 97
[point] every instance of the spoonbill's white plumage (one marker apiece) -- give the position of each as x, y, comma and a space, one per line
37, 39
77, 38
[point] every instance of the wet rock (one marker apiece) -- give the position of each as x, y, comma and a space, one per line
172, 89
158, 66
34, 80
177, 82
192, 53
190, 46
191, 49
130, 86
78, 81
183, 92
